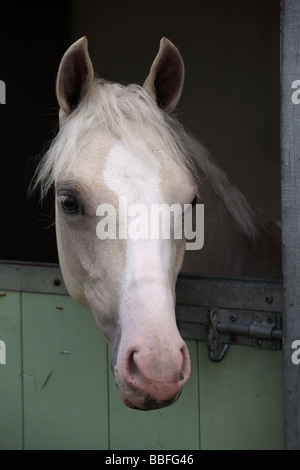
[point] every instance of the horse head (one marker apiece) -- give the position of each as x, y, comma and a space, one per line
115, 159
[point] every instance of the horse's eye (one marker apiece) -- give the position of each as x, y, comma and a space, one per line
194, 201
70, 205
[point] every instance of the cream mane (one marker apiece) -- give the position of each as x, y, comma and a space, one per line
125, 112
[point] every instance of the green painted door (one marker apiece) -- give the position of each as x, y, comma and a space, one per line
241, 400
66, 397
11, 429
65, 375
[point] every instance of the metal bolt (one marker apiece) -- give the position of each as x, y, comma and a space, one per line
258, 343
258, 318
268, 299
233, 317
212, 316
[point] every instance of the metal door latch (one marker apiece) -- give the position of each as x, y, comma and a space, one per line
227, 327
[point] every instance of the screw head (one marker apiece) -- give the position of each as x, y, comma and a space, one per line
268, 299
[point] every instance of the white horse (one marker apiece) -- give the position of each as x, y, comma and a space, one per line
119, 143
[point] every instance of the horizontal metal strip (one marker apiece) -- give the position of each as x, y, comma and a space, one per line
261, 295
195, 295
33, 277
246, 294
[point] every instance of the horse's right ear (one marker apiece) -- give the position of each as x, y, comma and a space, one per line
74, 78
165, 80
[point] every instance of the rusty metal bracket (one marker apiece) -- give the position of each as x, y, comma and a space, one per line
224, 312
256, 329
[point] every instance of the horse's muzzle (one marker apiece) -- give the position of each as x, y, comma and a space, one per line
148, 382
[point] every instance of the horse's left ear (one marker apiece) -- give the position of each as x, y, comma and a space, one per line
165, 80
74, 78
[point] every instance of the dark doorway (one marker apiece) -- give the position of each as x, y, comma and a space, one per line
33, 38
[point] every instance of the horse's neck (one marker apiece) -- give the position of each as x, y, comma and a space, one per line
228, 253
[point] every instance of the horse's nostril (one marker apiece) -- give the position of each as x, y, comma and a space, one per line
185, 366
132, 368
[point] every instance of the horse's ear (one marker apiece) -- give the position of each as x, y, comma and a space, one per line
75, 77
165, 80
